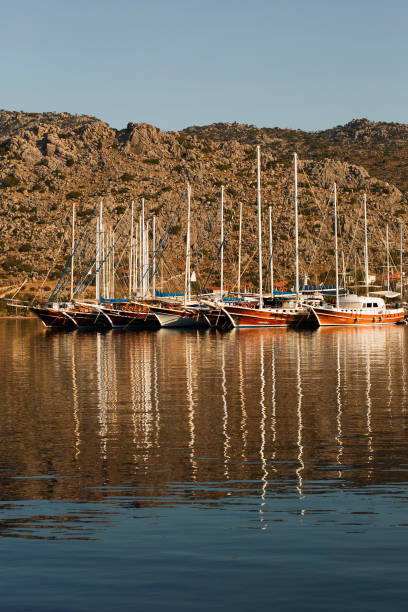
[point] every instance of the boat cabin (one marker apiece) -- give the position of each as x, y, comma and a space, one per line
353, 302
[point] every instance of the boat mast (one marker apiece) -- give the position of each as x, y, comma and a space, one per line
388, 257
131, 253
258, 151
187, 280
153, 256
112, 261
98, 254
113, 266
365, 244
270, 250
135, 258
107, 264
140, 253
147, 283
296, 229
72, 253
343, 269
336, 245
222, 244
97, 291
239, 249
102, 257
143, 247
401, 259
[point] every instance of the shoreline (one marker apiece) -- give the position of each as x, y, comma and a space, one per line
12, 316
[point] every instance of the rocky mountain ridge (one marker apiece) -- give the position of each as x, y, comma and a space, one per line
48, 161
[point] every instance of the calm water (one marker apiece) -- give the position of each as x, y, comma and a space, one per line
203, 471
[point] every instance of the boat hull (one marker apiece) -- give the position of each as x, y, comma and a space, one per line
53, 319
89, 320
332, 317
130, 320
243, 316
172, 317
218, 319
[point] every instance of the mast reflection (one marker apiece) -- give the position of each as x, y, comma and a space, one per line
151, 410
339, 434
264, 474
301, 467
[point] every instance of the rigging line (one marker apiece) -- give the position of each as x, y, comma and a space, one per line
101, 263
73, 253
384, 244
92, 261
120, 277
356, 228
375, 226
224, 242
206, 232
320, 206
249, 261
160, 229
316, 199
316, 242
158, 254
49, 271
68, 276
277, 228
86, 268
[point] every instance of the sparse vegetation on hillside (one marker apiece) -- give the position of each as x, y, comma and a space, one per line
50, 161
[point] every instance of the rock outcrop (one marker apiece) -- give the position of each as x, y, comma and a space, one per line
48, 161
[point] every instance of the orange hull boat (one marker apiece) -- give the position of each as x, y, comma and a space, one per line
339, 317
245, 316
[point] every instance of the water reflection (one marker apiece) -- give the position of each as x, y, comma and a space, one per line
201, 417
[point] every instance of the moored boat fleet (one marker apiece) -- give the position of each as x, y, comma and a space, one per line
145, 308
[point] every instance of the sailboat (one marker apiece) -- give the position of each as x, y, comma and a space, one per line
351, 309
213, 311
86, 315
52, 313
255, 313
125, 314
53, 316
172, 313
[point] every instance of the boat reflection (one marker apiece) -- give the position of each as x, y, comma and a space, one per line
182, 414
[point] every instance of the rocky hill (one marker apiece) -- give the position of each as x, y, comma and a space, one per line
48, 161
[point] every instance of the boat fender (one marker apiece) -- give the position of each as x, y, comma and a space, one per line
356, 320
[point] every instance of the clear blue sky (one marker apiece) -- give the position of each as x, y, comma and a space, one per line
308, 64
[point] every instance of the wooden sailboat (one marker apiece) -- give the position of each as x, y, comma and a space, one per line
126, 314
129, 316
88, 316
353, 310
52, 315
171, 313
213, 311
255, 313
